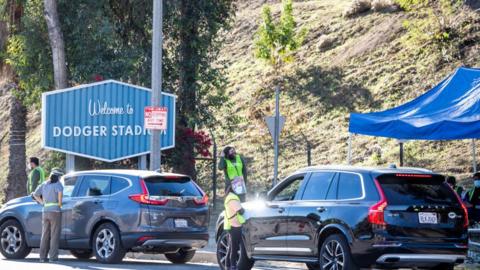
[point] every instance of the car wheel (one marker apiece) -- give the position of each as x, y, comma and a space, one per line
313, 266
82, 254
181, 256
335, 254
223, 243
107, 245
13, 244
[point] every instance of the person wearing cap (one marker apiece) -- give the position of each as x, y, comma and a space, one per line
36, 176
50, 194
235, 170
232, 224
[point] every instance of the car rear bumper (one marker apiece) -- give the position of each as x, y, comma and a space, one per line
405, 260
397, 254
169, 241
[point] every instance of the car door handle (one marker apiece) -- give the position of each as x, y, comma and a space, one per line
281, 209
321, 209
97, 202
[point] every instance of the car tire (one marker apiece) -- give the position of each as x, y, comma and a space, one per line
181, 256
335, 250
13, 244
313, 266
107, 245
82, 254
244, 263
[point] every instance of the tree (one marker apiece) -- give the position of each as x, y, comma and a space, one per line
57, 44
112, 40
276, 42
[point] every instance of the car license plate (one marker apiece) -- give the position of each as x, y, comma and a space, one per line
427, 218
181, 223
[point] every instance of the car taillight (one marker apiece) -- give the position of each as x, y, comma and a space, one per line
201, 200
145, 198
376, 212
464, 209
465, 214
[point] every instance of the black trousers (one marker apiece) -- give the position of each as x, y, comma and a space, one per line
235, 234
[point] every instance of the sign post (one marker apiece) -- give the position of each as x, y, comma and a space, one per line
156, 146
275, 125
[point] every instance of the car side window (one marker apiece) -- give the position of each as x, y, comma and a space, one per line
349, 186
288, 192
118, 184
317, 186
332, 190
69, 186
94, 185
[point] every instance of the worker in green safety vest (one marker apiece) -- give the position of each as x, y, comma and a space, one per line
36, 176
235, 170
50, 194
232, 224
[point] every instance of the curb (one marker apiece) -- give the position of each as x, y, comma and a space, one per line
201, 256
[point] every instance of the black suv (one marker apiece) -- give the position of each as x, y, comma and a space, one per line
347, 217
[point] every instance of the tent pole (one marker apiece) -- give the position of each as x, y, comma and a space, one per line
349, 151
474, 155
401, 154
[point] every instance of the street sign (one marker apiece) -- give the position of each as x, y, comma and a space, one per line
103, 120
270, 120
156, 118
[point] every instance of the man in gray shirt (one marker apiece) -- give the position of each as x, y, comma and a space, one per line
50, 194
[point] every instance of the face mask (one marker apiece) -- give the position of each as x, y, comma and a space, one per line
476, 183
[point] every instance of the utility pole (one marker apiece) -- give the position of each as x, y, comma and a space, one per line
155, 143
276, 134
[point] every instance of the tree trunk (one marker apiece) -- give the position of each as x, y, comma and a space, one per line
57, 43
187, 84
16, 181
16, 176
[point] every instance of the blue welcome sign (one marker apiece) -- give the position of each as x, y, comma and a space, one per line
103, 120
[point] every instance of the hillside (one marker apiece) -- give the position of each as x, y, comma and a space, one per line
356, 64
347, 64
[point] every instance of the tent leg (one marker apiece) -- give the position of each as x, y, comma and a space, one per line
401, 154
474, 155
349, 151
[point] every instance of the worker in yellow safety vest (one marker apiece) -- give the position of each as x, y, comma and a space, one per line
232, 224
235, 170
36, 176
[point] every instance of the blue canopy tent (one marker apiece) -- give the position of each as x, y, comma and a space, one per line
449, 111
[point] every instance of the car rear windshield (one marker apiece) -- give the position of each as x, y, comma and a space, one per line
411, 189
172, 186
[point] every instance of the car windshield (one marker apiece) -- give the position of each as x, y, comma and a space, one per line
411, 189
172, 186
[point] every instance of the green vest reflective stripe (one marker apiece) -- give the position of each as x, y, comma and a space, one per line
51, 204
40, 181
236, 169
227, 225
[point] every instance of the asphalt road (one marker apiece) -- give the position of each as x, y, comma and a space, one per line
69, 262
